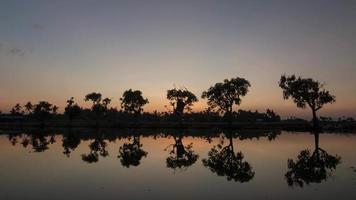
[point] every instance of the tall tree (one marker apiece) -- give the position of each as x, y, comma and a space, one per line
132, 101
55, 109
17, 110
94, 97
99, 106
181, 99
72, 109
225, 95
306, 92
106, 103
42, 111
29, 107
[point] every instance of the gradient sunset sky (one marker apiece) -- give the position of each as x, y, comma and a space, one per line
52, 50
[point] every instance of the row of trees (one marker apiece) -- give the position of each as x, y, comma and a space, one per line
221, 98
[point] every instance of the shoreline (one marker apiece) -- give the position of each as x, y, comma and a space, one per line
288, 126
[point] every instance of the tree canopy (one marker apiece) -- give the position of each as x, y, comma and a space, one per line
305, 92
43, 110
94, 97
181, 99
132, 101
225, 95
17, 110
72, 109
100, 106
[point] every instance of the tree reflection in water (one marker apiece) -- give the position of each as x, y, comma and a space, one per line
224, 162
38, 140
311, 167
70, 142
97, 148
130, 154
180, 156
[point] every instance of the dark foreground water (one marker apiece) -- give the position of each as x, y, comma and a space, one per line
144, 164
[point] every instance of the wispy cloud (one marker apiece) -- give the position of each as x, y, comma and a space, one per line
16, 51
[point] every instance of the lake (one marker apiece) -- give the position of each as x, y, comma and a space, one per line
176, 164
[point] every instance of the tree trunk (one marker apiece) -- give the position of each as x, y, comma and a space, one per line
231, 144
316, 139
315, 120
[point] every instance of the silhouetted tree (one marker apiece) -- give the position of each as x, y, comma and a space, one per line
224, 162
132, 101
130, 154
181, 156
181, 99
106, 103
94, 97
306, 92
226, 94
311, 167
17, 110
42, 111
99, 107
29, 107
272, 115
54, 109
72, 110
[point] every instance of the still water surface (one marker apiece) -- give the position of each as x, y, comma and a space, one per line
149, 164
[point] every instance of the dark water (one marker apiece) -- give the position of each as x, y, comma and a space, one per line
132, 164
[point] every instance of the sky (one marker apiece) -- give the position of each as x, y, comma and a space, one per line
53, 50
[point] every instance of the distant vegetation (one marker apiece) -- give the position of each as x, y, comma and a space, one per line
222, 98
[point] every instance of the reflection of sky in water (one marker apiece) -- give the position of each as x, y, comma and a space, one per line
51, 175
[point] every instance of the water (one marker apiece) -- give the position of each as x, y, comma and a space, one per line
149, 164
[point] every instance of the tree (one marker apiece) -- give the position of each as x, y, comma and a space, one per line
72, 109
99, 106
132, 101
17, 110
272, 116
29, 107
94, 97
106, 103
226, 94
43, 111
306, 92
54, 109
181, 99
